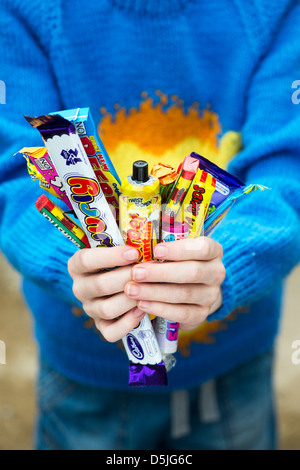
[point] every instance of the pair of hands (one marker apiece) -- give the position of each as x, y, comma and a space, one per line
185, 290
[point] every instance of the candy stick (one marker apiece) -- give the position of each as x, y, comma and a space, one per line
62, 221
179, 191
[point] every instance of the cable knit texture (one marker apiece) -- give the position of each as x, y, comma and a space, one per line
161, 79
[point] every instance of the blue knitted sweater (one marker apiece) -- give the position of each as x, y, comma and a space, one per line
162, 79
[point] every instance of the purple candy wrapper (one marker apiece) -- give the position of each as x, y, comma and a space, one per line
225, 182
141, 375
146, 365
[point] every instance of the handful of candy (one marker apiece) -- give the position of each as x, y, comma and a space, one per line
164, 204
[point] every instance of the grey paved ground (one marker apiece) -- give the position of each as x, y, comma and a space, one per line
17, 407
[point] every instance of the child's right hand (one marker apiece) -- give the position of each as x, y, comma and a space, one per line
102, 293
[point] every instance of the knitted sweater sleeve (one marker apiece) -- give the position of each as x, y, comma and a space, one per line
32, 246
261, 233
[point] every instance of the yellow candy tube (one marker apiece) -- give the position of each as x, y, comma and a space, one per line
196, 203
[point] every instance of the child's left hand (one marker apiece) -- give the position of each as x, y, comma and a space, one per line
186, 290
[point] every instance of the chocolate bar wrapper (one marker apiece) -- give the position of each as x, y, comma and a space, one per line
39, 157
146, 366
226, 183
35, 175
98, 156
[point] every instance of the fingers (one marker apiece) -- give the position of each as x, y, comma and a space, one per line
114, 316
183, 290
94, 259
114, 330
101, 284
202, 249
190, 272
188, 316
173, 293
109, 308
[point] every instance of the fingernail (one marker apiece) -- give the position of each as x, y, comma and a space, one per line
138, 312
143, 304
160, 251
131, 255
139, 274
132, 289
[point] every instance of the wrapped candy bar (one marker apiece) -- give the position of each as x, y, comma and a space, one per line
62, 221
187, 173
226, 183
39, 157
98, 156
196, 203
35, 175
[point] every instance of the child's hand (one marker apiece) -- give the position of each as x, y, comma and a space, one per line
102, 293
186, 290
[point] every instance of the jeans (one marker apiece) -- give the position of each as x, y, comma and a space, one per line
234, 411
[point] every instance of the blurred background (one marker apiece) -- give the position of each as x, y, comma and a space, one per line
17, 376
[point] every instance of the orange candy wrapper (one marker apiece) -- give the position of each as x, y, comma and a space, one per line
167, 175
